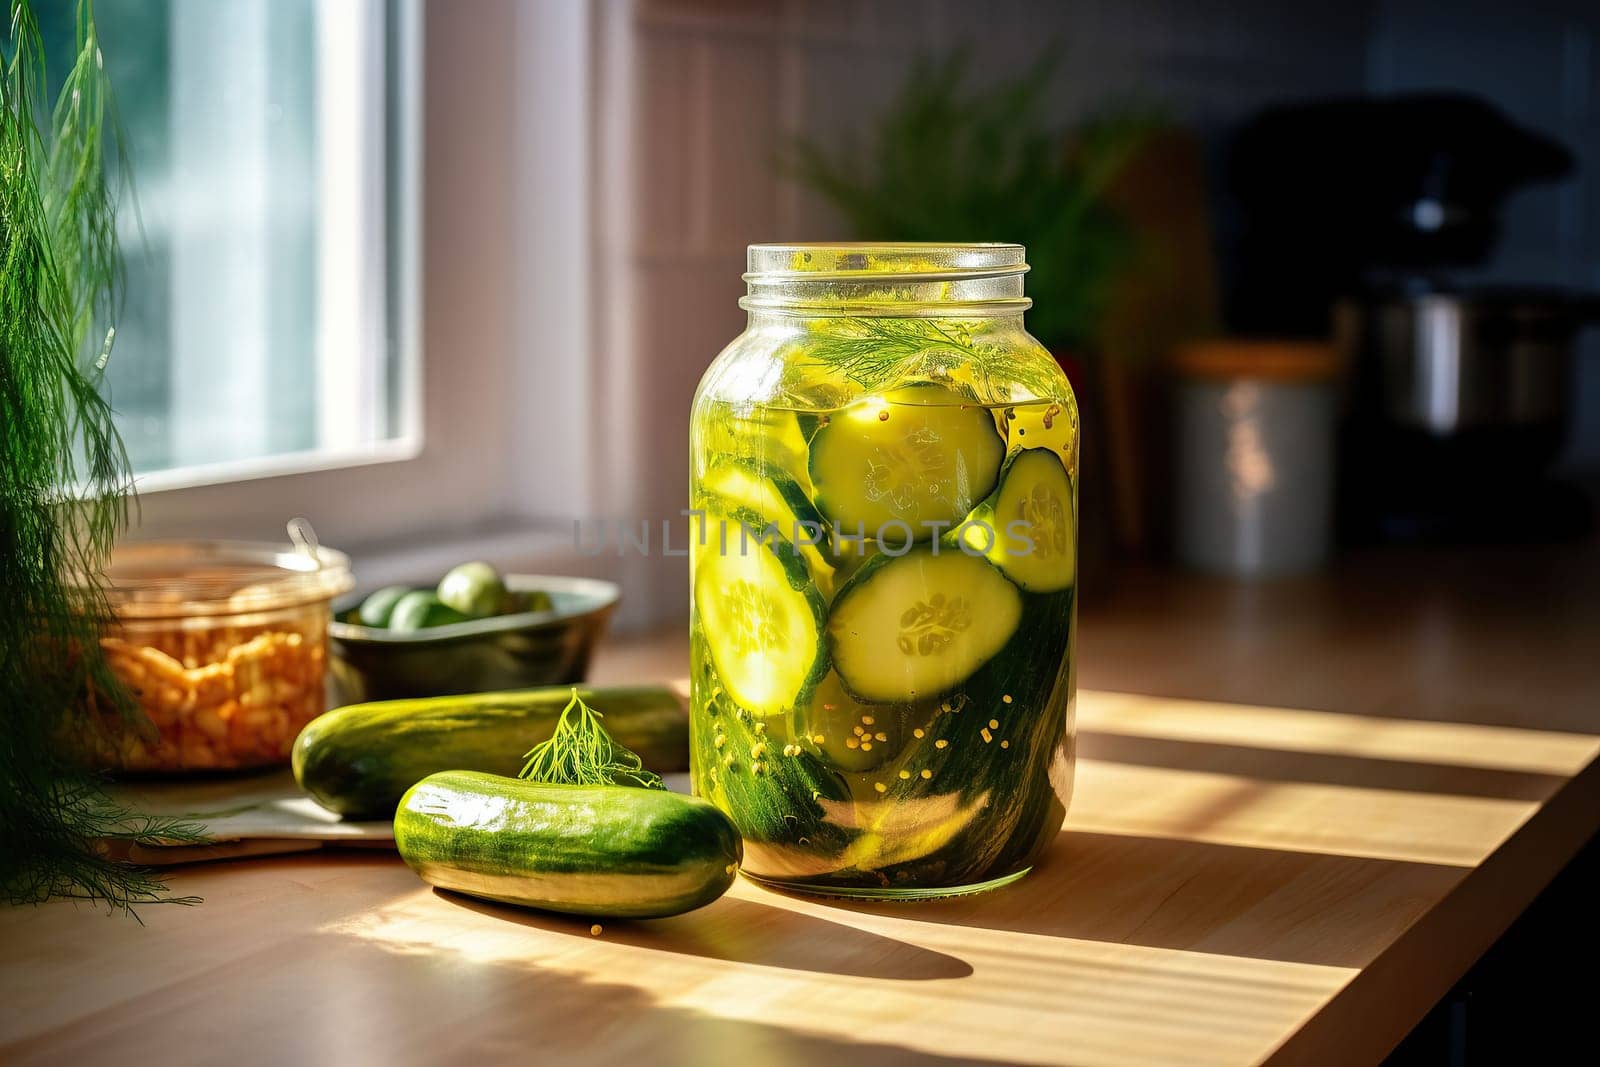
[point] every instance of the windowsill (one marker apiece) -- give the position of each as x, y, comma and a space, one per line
245, 470
512, 545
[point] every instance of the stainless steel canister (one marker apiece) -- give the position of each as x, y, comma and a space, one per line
1255, 455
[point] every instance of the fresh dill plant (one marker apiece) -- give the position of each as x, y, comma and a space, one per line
65, 480
951, 162
580, 751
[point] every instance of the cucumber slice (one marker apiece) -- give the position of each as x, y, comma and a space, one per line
1006, 780
770, 436
761, 614
773, 791
763, 488
849, 556
915, 455
1034, 534
852, 736
911, 627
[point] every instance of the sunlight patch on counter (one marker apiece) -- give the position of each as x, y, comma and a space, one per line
1462, 744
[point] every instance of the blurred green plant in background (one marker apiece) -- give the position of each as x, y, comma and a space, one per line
948, 162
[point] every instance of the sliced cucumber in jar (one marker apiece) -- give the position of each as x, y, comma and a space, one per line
760, 611
849, 555
922, 454
1028, 529
777, 500
911, 627
763, 435
852, 736
773, 789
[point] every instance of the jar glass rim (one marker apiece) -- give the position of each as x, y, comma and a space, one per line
180, 578
883, 260
897, 279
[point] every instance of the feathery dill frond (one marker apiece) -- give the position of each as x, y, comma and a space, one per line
580, 751
875, 352
65, 479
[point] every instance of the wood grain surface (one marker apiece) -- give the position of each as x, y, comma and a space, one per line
1384, 766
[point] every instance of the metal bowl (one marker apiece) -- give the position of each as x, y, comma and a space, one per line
505, 652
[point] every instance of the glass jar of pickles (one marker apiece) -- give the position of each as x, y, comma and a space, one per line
223, 646
883, 567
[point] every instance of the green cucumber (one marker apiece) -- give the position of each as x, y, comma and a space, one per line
605, 851
921, 456
980, 771
849, 555
773, 788
358, 760
474, 589
761, 612
915, 626
769, 436
527, 601
377, 607
420, 609
1010, 771
777, 500
1027, 528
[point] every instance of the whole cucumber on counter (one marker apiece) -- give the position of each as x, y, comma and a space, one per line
586, 850
360, 759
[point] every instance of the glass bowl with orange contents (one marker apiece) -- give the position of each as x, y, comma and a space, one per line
222, 644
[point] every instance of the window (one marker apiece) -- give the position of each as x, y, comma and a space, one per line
261, 329
430, 422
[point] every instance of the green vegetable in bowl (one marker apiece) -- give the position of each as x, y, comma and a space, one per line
420, 609
470, 591
379, 607
526, 601
584, 829
474, 589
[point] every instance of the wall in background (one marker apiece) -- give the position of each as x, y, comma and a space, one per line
1540, 61
697, 98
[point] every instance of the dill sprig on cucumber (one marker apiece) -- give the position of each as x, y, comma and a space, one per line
581, 752
360, 759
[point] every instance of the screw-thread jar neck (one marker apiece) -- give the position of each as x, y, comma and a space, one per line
903, 280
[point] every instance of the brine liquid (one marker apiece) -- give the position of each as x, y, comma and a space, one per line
894, 732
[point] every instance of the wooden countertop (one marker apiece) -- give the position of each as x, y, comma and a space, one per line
1237, 881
